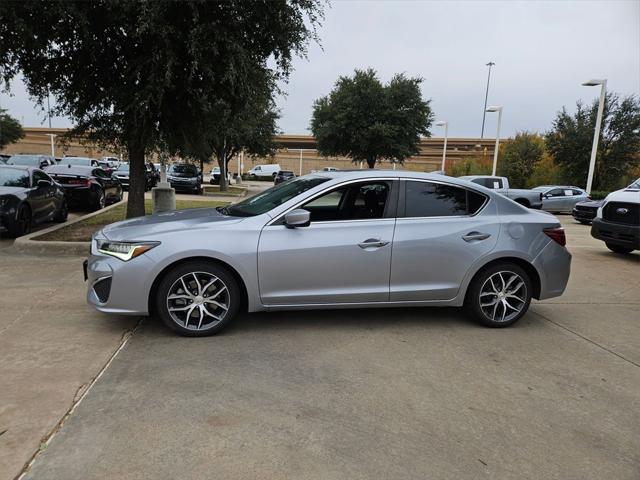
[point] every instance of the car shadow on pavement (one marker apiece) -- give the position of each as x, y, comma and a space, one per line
343, 320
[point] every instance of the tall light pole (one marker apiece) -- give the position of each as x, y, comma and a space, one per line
495, 152
596, 134
53, 150
486, 97
48, 108
444, 124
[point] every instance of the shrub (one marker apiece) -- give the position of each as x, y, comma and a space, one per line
469, 166
545, 172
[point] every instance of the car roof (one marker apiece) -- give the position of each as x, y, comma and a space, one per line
70, 168
19, 167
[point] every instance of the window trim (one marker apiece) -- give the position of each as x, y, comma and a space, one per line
390, 213
402, 208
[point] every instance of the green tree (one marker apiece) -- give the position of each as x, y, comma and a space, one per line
571, 137
545, 172
518, 156
363, 119
128, 73
249, 125
10, 129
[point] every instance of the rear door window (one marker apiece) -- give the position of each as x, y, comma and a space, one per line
427, 199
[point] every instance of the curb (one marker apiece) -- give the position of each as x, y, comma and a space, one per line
29, 244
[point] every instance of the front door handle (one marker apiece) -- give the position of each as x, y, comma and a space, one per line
373, 242
471, 236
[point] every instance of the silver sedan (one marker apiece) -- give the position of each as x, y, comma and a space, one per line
561, 199
333, 240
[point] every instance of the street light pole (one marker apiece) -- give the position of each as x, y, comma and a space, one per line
444, 124
497, 147
486, 97
596, 134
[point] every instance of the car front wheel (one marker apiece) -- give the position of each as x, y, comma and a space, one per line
499, 295
22, 225
196, 299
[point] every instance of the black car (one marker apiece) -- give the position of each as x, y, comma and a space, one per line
184, 176
283, 176
585, 212
29, 196
87, 187
37, 161
122, 173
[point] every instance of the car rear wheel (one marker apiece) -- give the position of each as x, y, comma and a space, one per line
63, 213
585, 222
197, 299
22, 225
618, 248
499, 295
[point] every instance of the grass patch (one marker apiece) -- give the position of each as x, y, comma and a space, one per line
82, 231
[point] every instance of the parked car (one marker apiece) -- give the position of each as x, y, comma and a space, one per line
214, 176
326, 240
184, 176
283, 176
586, 211
113, 162
122, 174
79, 161
4, 158
561, 199
37, 161
264, 171
29, 196
617, 221
526, 198
87, 187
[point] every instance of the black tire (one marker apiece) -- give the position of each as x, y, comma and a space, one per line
473, 297
585, 222
100, 200
523, 202
203, 271
63, 212
618, 248
274, 175
22, 224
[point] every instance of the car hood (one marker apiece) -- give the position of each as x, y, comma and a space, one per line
149, 227
590, 203
626, 195
12, 190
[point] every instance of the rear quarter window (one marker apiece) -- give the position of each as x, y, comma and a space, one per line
426, 199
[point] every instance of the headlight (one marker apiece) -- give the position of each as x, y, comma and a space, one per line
125, 251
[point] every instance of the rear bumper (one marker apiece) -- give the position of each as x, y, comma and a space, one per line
554, 267
627, 236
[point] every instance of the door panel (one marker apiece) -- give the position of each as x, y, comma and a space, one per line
431, 258
323, 263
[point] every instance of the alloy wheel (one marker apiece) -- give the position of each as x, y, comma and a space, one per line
503, 296
198, 300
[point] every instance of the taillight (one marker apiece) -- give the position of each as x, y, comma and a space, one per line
556, 234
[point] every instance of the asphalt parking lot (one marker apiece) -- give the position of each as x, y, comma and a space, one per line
399, 393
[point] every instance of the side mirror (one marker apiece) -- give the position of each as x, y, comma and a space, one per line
43, 183
297, 218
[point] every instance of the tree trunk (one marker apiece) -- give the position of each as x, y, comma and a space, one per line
371, 162
137, 182
223, 172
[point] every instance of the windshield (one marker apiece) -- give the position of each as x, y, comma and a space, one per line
31, 160
184, 169
635, 185
14, 178
124, 167
271, 198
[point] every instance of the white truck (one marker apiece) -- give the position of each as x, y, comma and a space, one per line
526, 198
617, 222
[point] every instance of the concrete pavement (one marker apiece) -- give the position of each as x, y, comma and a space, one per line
402, 393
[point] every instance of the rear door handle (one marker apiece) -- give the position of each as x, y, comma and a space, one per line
373, 242
471, 236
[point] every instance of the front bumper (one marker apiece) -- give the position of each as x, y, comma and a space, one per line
584, 215
627, 236
114, 286
184, 186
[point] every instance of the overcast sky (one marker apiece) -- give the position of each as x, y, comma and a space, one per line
543, 51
